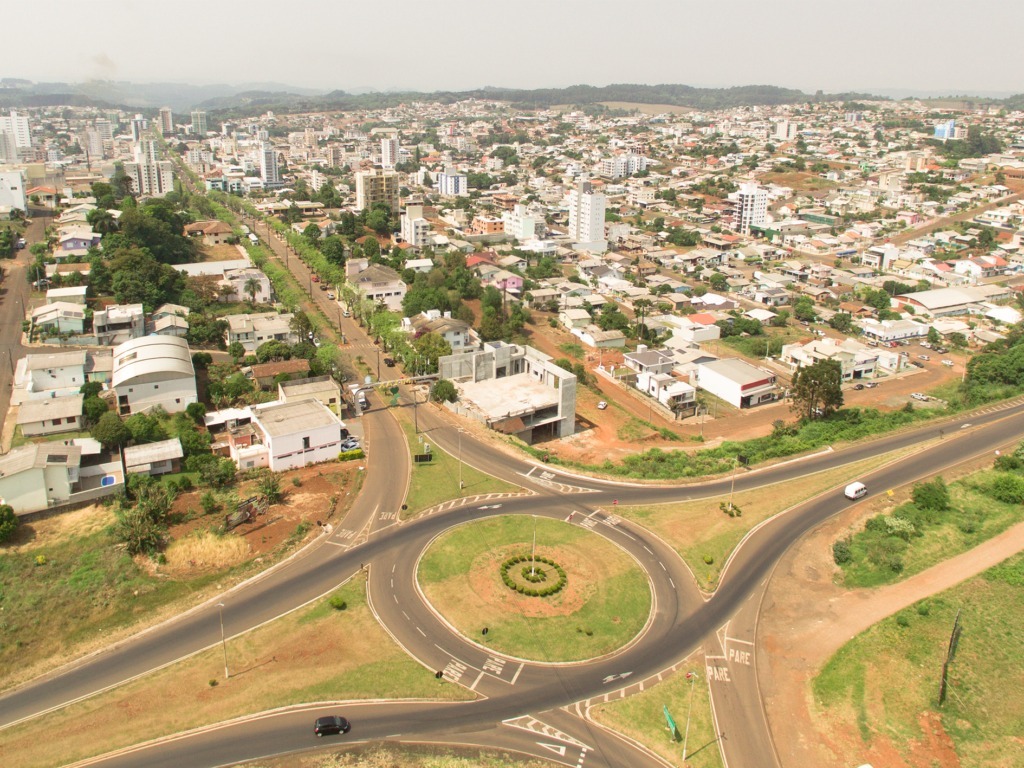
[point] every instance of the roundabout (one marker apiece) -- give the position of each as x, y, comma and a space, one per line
572, 596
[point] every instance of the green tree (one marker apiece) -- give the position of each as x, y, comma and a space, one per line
934, 337
312, 234
803, 309
145, 428
933, 495
8, 523
93, 408
842, 322
301, 324
196, 412
333, 249
429, 347
110, 431
270, 351
269, 486
252, 287
444, 391
236, 350
817, 389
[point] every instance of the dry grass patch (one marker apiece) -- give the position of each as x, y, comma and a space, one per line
42, 533
204, 551
292, 660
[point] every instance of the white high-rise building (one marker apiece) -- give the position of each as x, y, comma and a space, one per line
199, 123
139, 126
452, 184
623, 165
268, 165
586, 218
415, 228
8, 149
151, 176
166, 121
12, 190
786, 130
519, 223
750, 207
389, 152
17, 126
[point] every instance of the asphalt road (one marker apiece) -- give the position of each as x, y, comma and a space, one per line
513, 691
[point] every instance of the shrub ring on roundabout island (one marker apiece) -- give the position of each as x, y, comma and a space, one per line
539, 582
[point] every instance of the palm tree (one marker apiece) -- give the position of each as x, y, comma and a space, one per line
102, 221
640, 307
252, 287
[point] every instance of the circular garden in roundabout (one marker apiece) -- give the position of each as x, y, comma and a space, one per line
579, 597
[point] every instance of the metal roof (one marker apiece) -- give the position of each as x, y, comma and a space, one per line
66, 407
149, 356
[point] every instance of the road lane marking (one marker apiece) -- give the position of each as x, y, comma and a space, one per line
477, 681
421, 631
558, 749
516, 675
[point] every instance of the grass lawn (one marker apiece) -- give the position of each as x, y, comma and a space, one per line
974, 516
292, 660
699, 530
604, 604
642, 718
438, 480
883, 683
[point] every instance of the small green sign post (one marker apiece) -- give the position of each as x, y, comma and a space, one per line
673, 729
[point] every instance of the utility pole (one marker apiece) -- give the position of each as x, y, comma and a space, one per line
732, 484
223, 641
686, 738
533, 554
461, 484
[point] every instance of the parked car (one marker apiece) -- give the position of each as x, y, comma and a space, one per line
924, 357
346, 313
871, 384
858, 386
926, 345
316, 278
941, 350
350, 445
331, 724
323, 286
330, 296
948, 363
919, 396
389, 362
602, 405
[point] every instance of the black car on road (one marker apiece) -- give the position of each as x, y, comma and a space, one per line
332, 724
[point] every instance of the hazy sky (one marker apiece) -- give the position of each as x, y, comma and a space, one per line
948, 46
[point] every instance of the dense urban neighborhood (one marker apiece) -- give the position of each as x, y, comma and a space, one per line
236, 333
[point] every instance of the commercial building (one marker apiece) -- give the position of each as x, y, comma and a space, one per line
269, 171
151, 372
513, 389
739, 383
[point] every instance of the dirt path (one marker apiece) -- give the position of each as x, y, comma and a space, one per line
806, 618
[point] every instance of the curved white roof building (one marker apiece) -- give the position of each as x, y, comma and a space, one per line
153, 371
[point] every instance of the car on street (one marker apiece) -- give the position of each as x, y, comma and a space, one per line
919, 396
389, 362
858, 386
330, 296
871, 384
346, 313
602, 405
331, 724
316, 278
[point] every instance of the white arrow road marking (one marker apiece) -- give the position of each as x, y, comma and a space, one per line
558, 749
611, 678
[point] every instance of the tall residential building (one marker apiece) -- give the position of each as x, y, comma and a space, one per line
12, 190
8, 149
586, 218
139, 126
520, 224
452, 184
415, 228
750, 207
17, 126
377, 186
151, 176
199, 123
389, 152
623, 165
785, 130
166, 121
269, 171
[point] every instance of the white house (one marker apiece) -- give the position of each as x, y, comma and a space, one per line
59, 317
236, 286
674, 394
253, 330
50, 416
118, 323
738, 383
154, 458
62, 373
376, 283
856, 360
296, 434
44, 475
153, 371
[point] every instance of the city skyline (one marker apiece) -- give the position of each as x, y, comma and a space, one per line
881, 48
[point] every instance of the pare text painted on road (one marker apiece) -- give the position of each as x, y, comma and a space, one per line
740, 656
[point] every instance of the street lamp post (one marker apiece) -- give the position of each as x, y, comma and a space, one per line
691, 677
732, 483
223, 641
461, 484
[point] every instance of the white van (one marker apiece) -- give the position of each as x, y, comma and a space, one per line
855, 490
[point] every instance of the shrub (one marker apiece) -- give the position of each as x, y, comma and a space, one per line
841, 551
709, 560
209, 503
899, 526
8, 522
296, 481
1008, 489
337, 603
902, 620
933, 495
350, 455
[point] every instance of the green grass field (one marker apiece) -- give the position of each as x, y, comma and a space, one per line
605, 603
879, 557
642, 717
883, 681
438, 480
